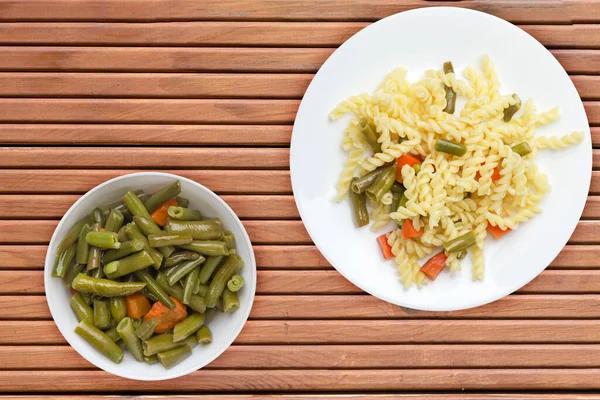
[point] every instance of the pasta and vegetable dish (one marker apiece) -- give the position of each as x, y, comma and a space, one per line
446, 177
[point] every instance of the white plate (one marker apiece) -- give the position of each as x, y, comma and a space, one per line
224, 326
419, 40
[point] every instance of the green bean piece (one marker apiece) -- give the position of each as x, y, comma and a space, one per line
114, 221
133, 233
510, 111
231, 301
219, 281
127, 332
176, 273
95, 254
159, 343
460, 243
97, 273
522, 149
149, 295
359, 207
113, 334
180, 256
229, 238
105, 287
184, 214
135, 206
189, 284
71, 237
169, 239
98, 217
72, 272
127, 248
204, 335
64, 261
450, 94
161, 195
101, 314
417, 168
196, 302
153, 359
182, 201
136, 322
209, 268
122, 235
235, 283
395, 200
398, 188
207, 247
188, 326
462, 255
148, 227
118, 307
450, 147
99, 340
146, 329
153, 287
83, 249
120, 206
199, 230
201, 289
81, 309
403, 201
87, 297
128, 265
370, 134
107, 240
363, 183
382, 184
172, 357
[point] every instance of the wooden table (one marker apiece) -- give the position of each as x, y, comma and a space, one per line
208, 89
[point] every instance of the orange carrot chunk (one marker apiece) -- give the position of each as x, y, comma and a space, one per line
386, 249
166, 317
409, 231
161, 213
403, 160
434, 265
495, 175
137, 305
496, 231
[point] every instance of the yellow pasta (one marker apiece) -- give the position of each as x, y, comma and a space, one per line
476, 168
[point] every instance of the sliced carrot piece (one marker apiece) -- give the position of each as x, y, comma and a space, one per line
166, 317
160, 215
496, 231
434, 265
403, 160
137, 305
409, 231
386, 249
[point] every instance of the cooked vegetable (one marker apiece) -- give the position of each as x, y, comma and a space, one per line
137, 305
81, 309
361, 184
148, 227
114, 221
95, 254
204, 335
64, 261
161, 195
235, 283
386, 249
174, 356
382, 184
101, 314
207, 247
198, 230
460, 243
497, 232
126, 330
83, 249
100, 340
184, 214
434, 265
511, 110
359, 207
230, 301
161, 214
146, 328
128, 265
188, 326
169, 239
447, 146
196, 302
450, 94
409, 231
176, 273
165, 317
133, 233
222, 276
370, 135
105, 287
403, 160
105, 240
522, 149
154, 288
127, 248
208, 268
190, 283
118, 307
180, 256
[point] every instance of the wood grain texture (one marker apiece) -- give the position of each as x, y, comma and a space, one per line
199, 59
310, 380
364, 332
211, 33
520, 11
280, 307
411, 396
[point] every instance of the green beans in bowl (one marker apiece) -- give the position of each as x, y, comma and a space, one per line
150, 276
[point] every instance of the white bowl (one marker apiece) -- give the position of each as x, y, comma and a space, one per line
224, 326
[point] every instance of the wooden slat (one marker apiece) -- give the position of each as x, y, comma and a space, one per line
295, 257
519, 11
224, 181
55, 206
411, 396
220, 181
123, 85
364, 331
309, 380
34, 231
33, 58
522, 306
176, 85
343, 357
149, 110
329, 282
140, 157
209, 33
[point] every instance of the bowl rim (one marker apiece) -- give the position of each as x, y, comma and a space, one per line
49, 264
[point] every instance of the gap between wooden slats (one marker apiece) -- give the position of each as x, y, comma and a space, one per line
309, 380
291, 257
364, 332
327, 282
342, 357
199, 59
519, 11
323, 307
184, 85
283, 34
260, 232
